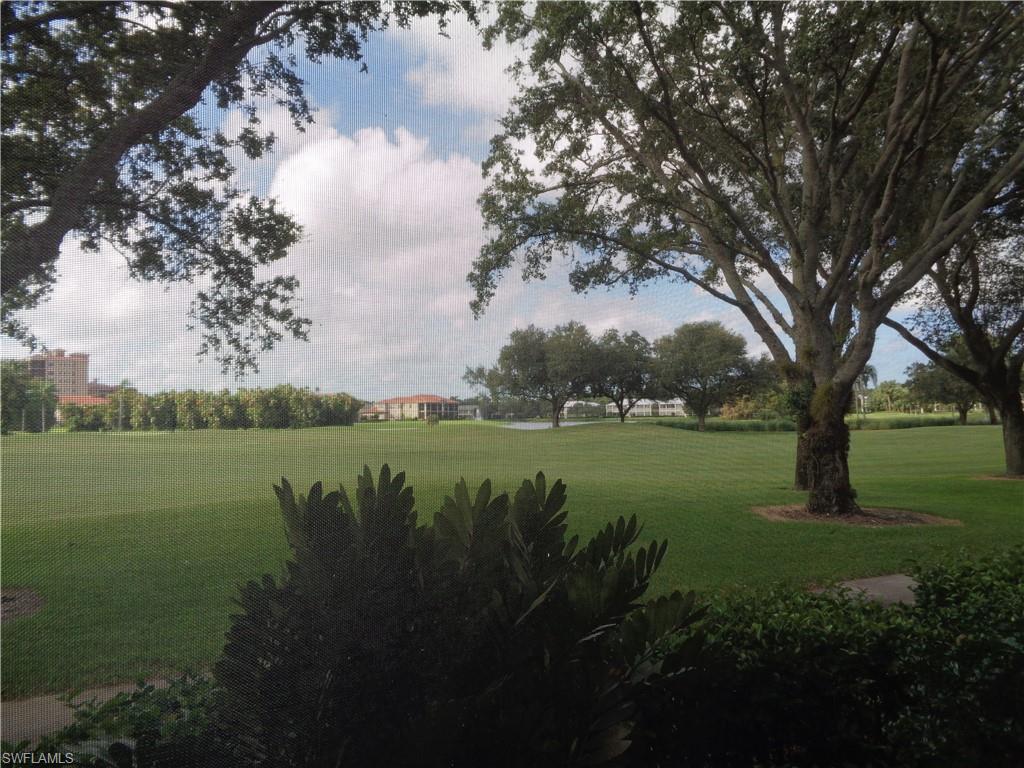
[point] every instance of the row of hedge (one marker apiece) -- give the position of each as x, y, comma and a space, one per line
492, 638
788, 425
279, 407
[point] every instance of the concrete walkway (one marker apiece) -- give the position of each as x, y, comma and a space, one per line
29, 719
888, 590
546, 424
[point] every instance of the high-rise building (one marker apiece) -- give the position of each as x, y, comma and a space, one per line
69, 373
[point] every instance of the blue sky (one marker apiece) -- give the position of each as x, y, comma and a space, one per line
385, 185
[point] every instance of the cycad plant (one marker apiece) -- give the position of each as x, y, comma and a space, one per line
487, 638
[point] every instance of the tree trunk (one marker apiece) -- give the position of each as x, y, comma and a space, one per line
700, 420
803, 423
1012, 415
622, 412
963, 415
993, 418
556, 410
827, 450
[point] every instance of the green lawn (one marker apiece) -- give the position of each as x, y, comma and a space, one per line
138, 541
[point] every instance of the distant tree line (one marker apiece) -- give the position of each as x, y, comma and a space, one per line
703, 363
927, 388
280, 407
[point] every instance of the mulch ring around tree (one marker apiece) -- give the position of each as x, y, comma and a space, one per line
18, 602
869, 517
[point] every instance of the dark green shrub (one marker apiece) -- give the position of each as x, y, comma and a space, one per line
488, 638
790, 678
725, 425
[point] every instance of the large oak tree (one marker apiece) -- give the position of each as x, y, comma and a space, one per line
806, 164
102, 140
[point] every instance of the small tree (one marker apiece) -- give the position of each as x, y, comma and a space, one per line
623, 370
704, 364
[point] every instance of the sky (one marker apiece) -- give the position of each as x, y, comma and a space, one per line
385, 185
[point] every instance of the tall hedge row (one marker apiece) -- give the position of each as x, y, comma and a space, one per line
280, 407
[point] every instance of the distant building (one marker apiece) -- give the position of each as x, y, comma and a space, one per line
412, 407
645, 407
470, 411
581, 408
101, 390
69, 373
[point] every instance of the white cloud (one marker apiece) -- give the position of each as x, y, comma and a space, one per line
455, 71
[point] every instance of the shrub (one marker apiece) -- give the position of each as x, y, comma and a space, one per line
746, 407
714, 425
905, 422
790, 678
149, 727
488, 638
89, 418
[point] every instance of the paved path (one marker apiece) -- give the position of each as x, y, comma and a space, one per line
547, 424
895, 588
28, 719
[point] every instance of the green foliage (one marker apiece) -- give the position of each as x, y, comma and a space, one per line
889, 396
773, 677
623, 369
904, 422
487, 638
279, 407
731, 425
791, 678
150, 727
704, 364
929, 384
537, 364
25, 403
84, 418
101, 138
766, 405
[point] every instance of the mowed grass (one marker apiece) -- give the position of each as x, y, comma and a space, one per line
138, 542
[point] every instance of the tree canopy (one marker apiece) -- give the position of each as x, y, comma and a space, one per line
705, 364
929, 384
806, 164
102, 140
622, 369
537, 364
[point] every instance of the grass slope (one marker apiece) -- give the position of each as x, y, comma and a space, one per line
138, 541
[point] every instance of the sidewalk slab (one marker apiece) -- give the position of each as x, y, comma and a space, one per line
888, 590
30, 719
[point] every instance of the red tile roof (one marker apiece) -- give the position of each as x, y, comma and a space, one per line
82, 400
417, 399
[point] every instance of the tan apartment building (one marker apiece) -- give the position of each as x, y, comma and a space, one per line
412, 407
69, 373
